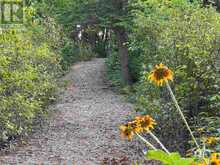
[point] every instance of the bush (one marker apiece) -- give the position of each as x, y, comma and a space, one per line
113, 69
28, 71
85, 52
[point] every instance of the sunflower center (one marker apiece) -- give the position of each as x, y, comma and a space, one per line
161, 73
214, 163
128, 131
145, 123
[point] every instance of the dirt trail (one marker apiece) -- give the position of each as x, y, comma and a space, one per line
84, 130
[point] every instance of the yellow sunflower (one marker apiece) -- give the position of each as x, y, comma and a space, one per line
215, 155
146, 122
214, 162
211, 140
160, 74
135, 126
127, 131
215, 159
201, 130
201, 163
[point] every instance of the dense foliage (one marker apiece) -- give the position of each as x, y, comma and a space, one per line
30, 62
27, 76
184, 36
33, 56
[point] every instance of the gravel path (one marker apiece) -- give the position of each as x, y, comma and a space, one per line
84, 130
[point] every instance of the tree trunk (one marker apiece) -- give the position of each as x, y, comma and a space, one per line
217, 2
214, 3
121, 37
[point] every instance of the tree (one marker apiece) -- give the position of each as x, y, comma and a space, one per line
110, 15
214, 3
114, 16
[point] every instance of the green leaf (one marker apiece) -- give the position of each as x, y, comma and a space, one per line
159, 155
169, 159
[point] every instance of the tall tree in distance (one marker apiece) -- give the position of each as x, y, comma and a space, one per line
115, 16
122, 37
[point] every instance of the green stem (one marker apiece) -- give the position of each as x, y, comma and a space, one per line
181, 114
145, 141
203, 154
158, 141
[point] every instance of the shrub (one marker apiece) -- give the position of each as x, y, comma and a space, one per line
28, 68
113, 69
